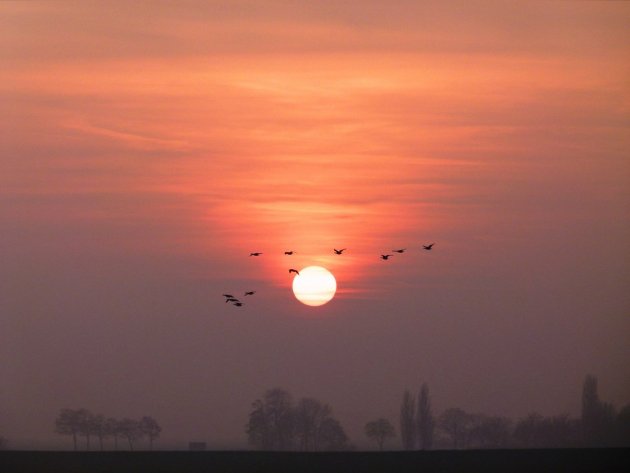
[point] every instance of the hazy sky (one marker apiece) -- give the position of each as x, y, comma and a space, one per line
146, 148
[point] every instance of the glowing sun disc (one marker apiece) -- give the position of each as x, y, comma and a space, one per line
314, 286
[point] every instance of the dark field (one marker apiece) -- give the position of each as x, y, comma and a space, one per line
507, 461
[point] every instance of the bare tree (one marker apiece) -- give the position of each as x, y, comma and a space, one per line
271, 421
276, 424
99, 428
590, 409
332, 436
489, 432
455, 423
425, 421
309, 415
71, 422
598, 418
526, 431
258, 428
622, 427
112, 429
379, 430
89, 426
130, 429
150, 428
536, 431
408, 421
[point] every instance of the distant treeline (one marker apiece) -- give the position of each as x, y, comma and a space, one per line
600, 425
81, 422
277, 423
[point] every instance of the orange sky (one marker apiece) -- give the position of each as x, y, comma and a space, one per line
182, 136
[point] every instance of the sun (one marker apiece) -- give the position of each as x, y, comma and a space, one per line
314, 286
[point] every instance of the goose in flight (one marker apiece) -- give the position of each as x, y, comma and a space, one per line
428, 247
288, 253
250, 293
385, 257
255, 254
238, 304
294, 271
231, 299
338, 252
228, 295
402, 250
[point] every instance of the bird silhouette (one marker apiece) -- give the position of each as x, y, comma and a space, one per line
228, 295
231, 299
338, 252
428, 247
385, 257
250, 293
255, 254
294, 271
402, 250
238, 304
288, 253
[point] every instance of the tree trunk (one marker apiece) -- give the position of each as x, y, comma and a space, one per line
74, 439
115, 442
130, 444
150, 442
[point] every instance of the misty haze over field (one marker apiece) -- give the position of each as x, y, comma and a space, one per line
147, 149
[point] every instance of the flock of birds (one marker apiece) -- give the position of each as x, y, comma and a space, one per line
238, 303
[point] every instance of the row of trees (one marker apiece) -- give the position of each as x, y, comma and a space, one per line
600, 425
277, 423
454, 428
81, 422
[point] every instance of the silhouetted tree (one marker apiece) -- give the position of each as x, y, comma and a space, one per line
112, 429
89, 427
379, 430
527, 430
455, 423
309, 415
276, 424
598, 418
271, 421
489, 432
130, 429
622, 427
258, 426
590, 410
332, 436
98, 428
562, 432
425, 422
536, 431
150, 428
71, 422
408, 421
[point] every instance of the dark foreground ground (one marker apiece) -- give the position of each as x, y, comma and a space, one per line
479, 461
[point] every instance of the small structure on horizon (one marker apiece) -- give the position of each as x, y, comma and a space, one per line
197, 446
